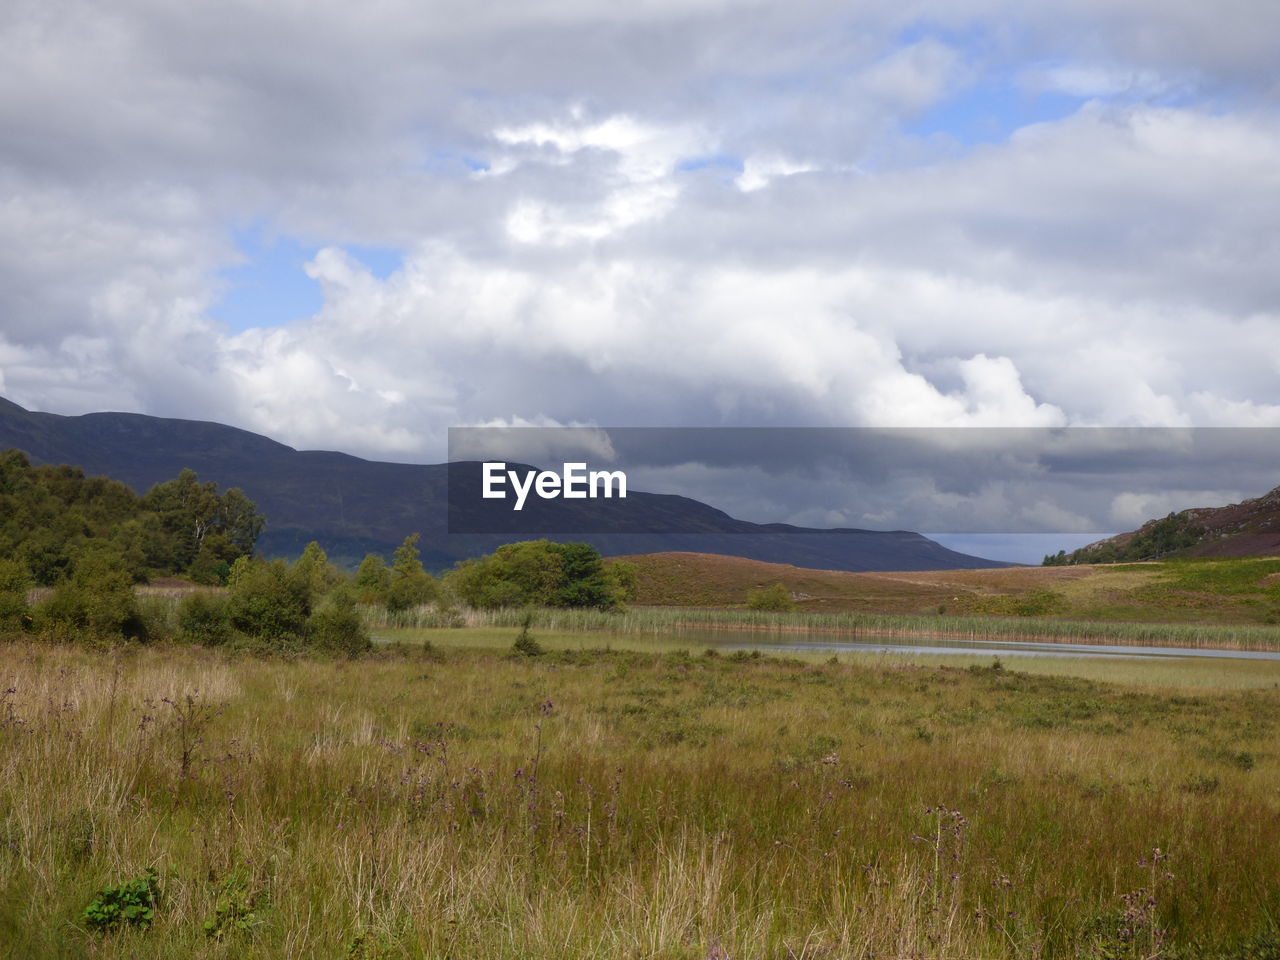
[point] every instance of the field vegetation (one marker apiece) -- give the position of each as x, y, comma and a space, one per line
771, 626
527, 758
456, 801
1228, 591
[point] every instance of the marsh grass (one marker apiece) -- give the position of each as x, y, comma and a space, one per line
460, 802
657, 621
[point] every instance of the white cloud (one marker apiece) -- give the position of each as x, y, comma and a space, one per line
1130, 510
1115, 266
758, 171
916, 76
1080, 80
639, 188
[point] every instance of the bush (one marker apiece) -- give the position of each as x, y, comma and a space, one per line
269, 601
338, 629
155, 618
97, 603
14, 582
204, 618
776, 597
525, 645
209, 568
62, 615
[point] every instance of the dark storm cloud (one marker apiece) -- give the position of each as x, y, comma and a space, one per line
964, 480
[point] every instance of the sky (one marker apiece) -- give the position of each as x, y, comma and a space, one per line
353, 226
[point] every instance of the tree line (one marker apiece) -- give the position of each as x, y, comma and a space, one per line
1152, 541
73, 548
55, 519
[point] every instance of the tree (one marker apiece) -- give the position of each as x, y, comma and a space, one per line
314, 566
202, 530
584, 580
537, 573
411, 585
373, 579
625, 578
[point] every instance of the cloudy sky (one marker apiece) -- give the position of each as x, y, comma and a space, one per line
352, 226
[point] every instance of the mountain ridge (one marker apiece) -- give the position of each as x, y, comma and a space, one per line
352, 506
1246, 529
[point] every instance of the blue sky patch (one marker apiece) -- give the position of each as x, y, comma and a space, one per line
722, 160
271, 287
992, 111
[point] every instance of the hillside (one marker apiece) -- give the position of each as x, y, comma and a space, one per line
1250, 528
352, 506
1207, 590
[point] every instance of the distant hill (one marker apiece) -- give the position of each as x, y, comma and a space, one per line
1216, 591
1250, 528
353, 506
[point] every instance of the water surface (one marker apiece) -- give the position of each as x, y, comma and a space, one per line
803, 642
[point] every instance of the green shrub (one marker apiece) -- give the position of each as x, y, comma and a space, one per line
155, 618
96, 603
14, 581
111, 606
62, 615
133, 903
525, 645
776, 597
338, 628
204, 618
268, 601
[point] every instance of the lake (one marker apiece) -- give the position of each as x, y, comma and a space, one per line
730, 640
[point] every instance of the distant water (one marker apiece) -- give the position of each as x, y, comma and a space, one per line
826, 643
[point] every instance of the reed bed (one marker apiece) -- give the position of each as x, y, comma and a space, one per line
659, 621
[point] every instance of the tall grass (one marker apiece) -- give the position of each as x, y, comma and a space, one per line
621, 805
665, 620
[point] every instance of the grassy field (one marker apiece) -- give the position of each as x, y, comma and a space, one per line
459, 802
669, 623
1232, 591
1182, 673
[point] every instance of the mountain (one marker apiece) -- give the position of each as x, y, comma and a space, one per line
1250, 528
353, 506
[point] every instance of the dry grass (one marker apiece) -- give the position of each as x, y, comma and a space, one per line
1185, 591
625, 804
